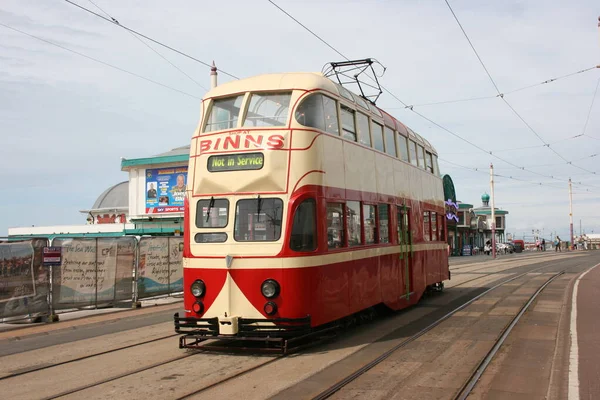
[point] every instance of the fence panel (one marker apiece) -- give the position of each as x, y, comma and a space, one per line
126, 249
159, 266
24, 281
87, 274
175, 264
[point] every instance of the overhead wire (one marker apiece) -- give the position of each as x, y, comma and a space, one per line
116, 23
506, 101
498, 95
100, 61
418, 113
150, 47
485, 171
590, 110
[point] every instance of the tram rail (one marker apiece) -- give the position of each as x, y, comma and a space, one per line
330, 391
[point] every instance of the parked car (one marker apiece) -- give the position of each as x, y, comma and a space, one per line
519, 245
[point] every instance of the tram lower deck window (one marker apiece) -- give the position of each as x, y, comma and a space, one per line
304, 232
258, 220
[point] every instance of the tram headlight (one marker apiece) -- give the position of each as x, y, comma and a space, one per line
198, 288
270, 288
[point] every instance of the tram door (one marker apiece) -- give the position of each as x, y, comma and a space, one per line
406, 248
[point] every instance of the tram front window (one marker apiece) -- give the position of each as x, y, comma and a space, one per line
212, 213
258, 220
224, 114
270, 109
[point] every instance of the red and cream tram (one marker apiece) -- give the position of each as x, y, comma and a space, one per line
305, 204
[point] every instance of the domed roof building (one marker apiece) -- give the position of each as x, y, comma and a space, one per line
112, 206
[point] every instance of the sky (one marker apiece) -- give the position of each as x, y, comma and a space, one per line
66, 120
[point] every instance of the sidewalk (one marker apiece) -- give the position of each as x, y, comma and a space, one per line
585, 346
72, 316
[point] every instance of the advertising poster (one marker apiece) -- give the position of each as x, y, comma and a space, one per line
165, 190
125, 264
16, 271
160, 266
87, 266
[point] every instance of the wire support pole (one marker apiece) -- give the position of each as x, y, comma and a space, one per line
571, 213
493, 211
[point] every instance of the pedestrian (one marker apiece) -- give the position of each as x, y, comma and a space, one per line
543, 244
557, 244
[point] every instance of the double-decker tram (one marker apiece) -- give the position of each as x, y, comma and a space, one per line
306, 204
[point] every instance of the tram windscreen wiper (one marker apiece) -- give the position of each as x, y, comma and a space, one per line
210, 206
258, 206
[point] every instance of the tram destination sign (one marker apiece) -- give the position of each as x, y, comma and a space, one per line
236, 162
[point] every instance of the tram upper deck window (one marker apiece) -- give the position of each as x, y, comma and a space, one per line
268, 109
360, 101
377, 131
403, 146
429, 159
212, 213
320, 112
421, 156
362, 123
412, 148
258, 220
436, 168
348, 124
224, 113
390, 145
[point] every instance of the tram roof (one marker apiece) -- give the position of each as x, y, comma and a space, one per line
308, 81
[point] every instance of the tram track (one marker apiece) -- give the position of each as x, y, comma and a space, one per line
120, 376
472, 382
331, 390
53, 365
231, 377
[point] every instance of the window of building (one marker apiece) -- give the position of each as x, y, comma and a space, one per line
499, 222
461, 218
353, 222
434, 226
268, 109
426, 226
421, 156
403, 146
335, 225
212, 213
320, 112
362, 123
348, 124
377, 132
390, 146
412, 148
304, 232
384, 227
258, 220
429, 160
224, 113
370, 224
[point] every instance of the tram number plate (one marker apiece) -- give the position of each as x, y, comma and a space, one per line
236, 162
